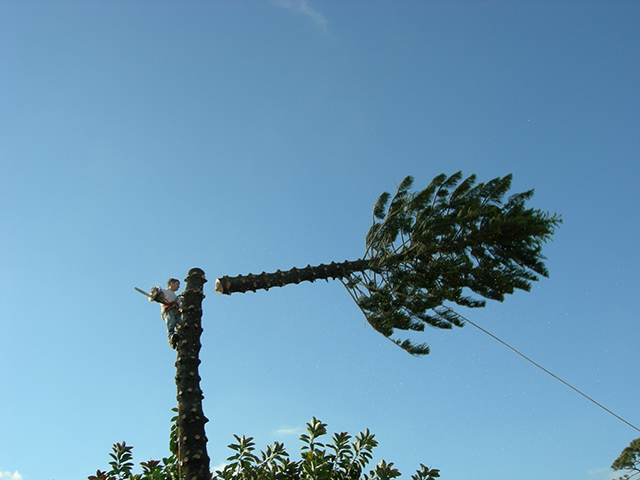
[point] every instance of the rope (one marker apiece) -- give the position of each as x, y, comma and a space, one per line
545, 370
179, 454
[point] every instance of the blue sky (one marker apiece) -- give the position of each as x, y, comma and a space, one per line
140, 139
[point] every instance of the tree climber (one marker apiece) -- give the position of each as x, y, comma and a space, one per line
171, 305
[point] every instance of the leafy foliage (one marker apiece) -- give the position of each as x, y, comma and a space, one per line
121, 464
343, 458
442, 244
629, 461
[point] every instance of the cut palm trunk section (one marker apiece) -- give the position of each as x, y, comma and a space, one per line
264, 281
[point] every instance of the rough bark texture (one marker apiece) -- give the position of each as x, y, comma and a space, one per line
191, 420
264, 281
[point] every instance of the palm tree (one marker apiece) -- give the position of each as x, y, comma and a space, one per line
431, 248
451, 243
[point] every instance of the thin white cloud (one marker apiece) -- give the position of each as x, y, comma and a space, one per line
10, 476
219, 467
289, 431
302, 7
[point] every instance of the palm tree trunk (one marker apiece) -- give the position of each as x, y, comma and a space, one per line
191, 420
264, 281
